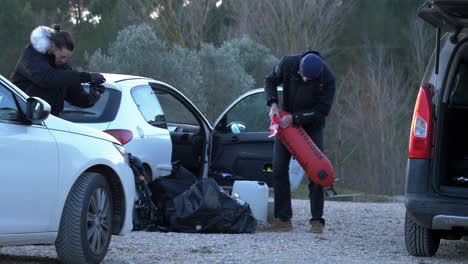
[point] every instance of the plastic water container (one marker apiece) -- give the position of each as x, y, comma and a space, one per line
296, 173
255, 193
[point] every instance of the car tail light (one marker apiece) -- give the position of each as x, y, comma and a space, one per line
122, 135
420, 144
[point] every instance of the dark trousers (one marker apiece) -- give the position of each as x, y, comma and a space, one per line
281, 159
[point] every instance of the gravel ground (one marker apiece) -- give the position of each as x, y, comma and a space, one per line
355, 233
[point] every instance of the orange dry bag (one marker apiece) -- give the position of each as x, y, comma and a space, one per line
315, 164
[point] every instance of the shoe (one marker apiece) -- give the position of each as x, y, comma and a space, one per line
316, 227
277, 225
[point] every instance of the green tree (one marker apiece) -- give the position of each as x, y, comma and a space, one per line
190, 23
211, 77
224, 78
50, 11
16, 19
138, 51
291, 26
382, 23
379, 60
101, 21
255, 58
219, 20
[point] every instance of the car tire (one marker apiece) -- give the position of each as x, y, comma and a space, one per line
86, 225
420, 241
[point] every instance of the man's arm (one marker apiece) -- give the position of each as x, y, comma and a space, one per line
77, 96
38, 70
272, 81
321, 110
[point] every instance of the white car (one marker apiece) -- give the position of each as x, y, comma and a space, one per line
60, 182
160, 125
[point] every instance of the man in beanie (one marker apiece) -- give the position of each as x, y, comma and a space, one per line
308, 91
43, 70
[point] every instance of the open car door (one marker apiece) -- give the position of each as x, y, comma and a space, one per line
240, 147
445, 14
188, 128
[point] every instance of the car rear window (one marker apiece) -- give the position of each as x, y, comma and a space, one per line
149, 106
104, 110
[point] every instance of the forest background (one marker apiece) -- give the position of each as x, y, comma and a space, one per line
214, 50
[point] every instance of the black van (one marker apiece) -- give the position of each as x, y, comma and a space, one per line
437, 170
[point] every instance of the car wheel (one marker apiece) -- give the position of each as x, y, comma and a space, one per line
86, 224
420, 241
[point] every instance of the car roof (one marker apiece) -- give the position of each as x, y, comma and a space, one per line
115, 78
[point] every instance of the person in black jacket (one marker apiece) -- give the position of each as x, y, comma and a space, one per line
43, 71
308, 92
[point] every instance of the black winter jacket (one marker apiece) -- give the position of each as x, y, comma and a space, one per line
308, 102
37, 75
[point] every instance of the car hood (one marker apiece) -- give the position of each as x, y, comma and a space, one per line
56, 123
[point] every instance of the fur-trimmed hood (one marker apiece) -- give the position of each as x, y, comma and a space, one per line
40, 38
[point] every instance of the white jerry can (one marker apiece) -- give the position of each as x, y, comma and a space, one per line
255, 193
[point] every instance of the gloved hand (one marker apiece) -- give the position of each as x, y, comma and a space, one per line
97, 88
96, 78
94, 95
91, 77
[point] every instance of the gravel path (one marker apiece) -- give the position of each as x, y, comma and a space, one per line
355, 233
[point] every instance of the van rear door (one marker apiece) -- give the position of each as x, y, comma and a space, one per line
449, 15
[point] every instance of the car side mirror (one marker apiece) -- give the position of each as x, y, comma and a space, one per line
237, 127
37, 109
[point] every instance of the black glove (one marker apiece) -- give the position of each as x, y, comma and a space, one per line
97, 88
94, 95
91, 77
96, 78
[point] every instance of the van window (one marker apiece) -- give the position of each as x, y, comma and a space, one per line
459, 91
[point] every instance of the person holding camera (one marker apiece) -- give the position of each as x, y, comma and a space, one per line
43, 71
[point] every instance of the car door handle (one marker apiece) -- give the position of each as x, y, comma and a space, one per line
164, 167
234, 139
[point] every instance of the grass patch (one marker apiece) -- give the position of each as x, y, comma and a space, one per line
302, 192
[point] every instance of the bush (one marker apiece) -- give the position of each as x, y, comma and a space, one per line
212, 76
223, 78
255, 58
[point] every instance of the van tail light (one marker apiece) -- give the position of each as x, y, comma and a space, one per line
122, 135
420, 143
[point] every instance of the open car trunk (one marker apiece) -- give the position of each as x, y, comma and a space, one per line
452, 146
455, 148
451, 142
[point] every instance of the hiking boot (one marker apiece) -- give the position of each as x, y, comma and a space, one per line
277, 225
316, 227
